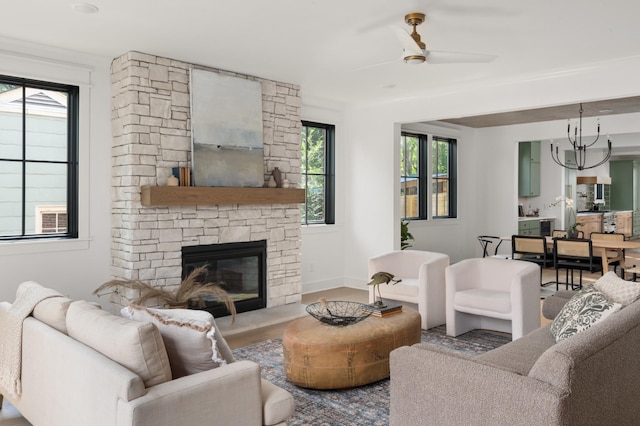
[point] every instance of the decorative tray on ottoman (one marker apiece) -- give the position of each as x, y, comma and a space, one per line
338, 312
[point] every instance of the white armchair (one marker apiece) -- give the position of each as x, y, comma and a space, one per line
423, 282
493, 294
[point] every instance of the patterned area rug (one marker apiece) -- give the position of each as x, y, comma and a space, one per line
365, 405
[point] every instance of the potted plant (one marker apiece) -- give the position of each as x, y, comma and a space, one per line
406, 239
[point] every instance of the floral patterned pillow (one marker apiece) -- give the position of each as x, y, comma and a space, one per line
584, 309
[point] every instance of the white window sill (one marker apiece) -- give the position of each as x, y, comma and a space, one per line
42, 246
320, 228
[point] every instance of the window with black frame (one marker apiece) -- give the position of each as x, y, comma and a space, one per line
428, 187
443, 177
38, 159
317, 173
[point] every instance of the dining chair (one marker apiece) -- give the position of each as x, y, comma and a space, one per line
532, 249
574, 254
486, 241
611, 254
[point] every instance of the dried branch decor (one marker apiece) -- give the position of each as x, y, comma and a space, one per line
191, 289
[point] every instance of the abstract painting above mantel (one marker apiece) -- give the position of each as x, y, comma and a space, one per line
226, 130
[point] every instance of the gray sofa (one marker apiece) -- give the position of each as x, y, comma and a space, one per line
592, 378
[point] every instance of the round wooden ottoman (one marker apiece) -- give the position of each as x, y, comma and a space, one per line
322, 356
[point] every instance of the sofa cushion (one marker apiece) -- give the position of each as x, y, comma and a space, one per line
277, 404
188, 334
553, 304
521, 354
135, 345
586, 308
618, 290
53, 312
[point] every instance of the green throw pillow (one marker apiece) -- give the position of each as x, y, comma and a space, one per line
584, 309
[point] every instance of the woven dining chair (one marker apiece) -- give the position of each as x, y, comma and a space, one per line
532, 249
574, 254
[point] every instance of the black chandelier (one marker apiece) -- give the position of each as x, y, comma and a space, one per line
579, 148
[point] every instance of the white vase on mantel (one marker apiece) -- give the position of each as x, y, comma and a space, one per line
172, 181
272, 182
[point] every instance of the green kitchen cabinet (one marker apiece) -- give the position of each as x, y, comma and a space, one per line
622, 187
529, 169
529, 227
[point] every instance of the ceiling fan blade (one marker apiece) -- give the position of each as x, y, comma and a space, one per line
408, 43
439, 57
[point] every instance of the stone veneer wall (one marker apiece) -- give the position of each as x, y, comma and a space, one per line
151, 134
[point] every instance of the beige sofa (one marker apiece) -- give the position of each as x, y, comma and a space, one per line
591, 378
66, 382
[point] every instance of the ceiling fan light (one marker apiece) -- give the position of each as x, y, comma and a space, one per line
414, 59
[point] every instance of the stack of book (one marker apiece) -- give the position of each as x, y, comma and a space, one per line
183, 174
383, 312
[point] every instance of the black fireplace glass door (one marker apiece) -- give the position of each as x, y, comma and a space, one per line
239, 268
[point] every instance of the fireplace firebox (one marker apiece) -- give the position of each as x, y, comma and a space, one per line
239, 268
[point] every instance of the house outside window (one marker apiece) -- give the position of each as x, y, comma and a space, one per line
51, 219
317, 169
38, 159
428, 177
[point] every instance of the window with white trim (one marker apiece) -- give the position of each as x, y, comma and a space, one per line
38, 159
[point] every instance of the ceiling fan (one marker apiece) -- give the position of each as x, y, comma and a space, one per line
415, 51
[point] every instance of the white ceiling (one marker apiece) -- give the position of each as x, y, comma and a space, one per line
328, 47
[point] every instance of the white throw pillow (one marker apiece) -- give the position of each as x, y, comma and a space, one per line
618, 290
188, 334
53, 312
584, 309
135, 345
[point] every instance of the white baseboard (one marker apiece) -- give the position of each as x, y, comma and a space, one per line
332, 283
359, 283
329, 284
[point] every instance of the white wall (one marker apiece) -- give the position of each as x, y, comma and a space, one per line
367, 213
323, 245
73, 268
488, 172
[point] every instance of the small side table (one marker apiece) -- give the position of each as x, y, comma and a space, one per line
322, 356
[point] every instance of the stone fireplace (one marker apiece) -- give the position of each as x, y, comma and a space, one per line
151, 135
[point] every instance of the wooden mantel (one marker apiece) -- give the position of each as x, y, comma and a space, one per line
216, 195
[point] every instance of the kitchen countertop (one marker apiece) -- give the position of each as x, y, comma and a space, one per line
604, 211
536, 218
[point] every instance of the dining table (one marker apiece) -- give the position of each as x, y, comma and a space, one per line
609, 250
